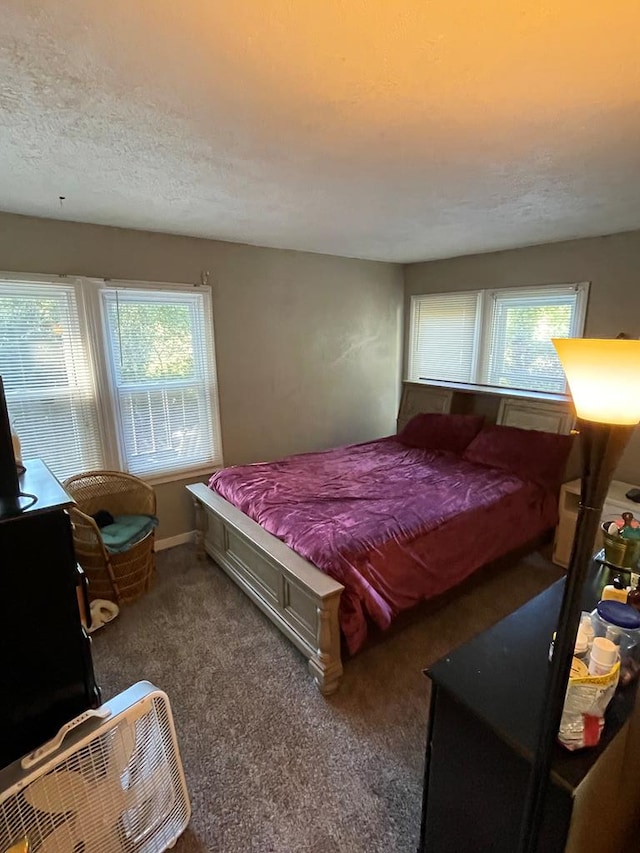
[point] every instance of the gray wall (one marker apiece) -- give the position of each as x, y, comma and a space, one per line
611, 264
308, 346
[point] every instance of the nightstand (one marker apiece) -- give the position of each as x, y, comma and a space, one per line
615, 504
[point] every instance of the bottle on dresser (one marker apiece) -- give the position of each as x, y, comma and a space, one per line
615, 591
633, 597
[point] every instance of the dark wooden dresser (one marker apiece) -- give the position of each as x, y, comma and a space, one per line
485, 706
47, 673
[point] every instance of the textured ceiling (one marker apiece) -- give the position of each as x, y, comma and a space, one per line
402, 130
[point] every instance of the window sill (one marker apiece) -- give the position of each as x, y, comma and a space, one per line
176, 476
491, 389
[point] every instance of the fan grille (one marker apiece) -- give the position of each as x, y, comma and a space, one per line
122, 791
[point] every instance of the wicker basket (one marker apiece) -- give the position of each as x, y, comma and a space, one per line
624, 553
124, 577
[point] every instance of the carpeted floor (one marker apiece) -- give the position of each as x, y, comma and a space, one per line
270, 764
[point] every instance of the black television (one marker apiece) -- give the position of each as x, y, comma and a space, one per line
9, 485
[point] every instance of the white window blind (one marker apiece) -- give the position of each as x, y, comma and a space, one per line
104, 377
444, 334
521, 323
46, 369
500, 338
162, 371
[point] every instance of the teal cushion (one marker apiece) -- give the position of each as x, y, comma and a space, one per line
126, 531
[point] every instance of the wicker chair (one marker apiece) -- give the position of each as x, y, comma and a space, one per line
120, 577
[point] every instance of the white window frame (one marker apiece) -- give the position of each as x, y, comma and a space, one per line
90, 308
482, 332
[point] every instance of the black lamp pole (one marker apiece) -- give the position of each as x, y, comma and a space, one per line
601, 447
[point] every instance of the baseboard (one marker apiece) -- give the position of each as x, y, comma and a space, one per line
173, 541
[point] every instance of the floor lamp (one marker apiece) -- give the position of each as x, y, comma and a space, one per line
604, 379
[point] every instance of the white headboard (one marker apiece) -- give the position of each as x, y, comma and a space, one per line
417, 399
545, 415
523, 412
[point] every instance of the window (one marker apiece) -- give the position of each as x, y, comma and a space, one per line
444, 336
98, 375
45, 366
500, 338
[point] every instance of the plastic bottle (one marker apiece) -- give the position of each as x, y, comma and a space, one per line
587, 627
615, 591
633, 598
603, 656
619, 623
581, 647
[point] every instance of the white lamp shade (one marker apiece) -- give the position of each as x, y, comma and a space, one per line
604, 378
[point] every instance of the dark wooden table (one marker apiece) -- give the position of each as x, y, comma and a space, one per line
486, 702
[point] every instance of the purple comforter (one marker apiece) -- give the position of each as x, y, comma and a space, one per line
395, 525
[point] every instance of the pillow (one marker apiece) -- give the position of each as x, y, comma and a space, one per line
528, 453
126, 531
433, 431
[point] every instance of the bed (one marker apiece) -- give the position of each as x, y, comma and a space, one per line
330, 544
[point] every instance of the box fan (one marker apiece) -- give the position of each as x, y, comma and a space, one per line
111, 781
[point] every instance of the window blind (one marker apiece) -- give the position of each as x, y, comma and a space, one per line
162, 362
520, 325
45, 365
500, 338
444, 334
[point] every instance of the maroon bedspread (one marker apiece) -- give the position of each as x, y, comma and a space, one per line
395, 525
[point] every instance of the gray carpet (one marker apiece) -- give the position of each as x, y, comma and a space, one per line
270, 764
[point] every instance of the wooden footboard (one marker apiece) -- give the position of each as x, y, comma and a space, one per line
296, 596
